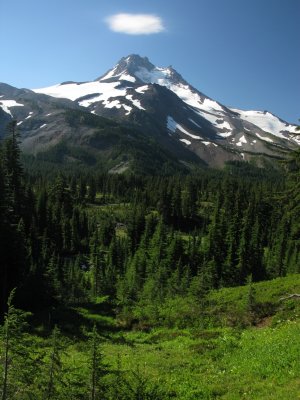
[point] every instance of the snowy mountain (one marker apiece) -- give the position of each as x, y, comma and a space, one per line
40, 118
160, 103
58, 133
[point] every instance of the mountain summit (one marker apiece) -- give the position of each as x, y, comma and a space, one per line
162, 104
140, 68
129, 65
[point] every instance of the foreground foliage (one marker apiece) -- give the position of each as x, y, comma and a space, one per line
214, 358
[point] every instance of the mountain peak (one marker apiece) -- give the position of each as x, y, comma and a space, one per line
135, 67
128, 65
133, 62
136, 59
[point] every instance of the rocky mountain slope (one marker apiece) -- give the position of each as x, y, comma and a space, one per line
59, 132
160, 104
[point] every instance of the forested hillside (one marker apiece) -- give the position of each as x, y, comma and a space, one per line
149, 247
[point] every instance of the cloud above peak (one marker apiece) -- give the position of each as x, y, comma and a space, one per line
135, 24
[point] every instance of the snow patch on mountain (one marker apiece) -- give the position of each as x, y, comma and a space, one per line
264, 138
7, 104
224, 134
172, 125
135, 102
30, 115
211, 105
126, 77
195, 123
241, 141
297, 139
209, 143
103, 92
157, 75
142, 89
224, 125
218, 122
185, 141
112, 104
121, 76
87, 103
192, 98
117, 104
74, 91
163, 77
127, 108
109, 75
267, 122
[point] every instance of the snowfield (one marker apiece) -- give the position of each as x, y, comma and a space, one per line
172, 125
7, 104
73, 91
267, 122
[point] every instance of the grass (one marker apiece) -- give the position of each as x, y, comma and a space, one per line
266, 291
232, 363
229, 305
116, 211
222, 362
225, 361
217, 364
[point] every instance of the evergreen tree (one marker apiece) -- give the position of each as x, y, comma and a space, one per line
13, 169
14, 353
54, 366
92, 190
97, 369
12, 240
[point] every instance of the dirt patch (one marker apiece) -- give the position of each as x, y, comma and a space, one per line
264, 322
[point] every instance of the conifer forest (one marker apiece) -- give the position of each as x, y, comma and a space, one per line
136, 286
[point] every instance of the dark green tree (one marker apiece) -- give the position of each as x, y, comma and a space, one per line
14, 352
54, 366
97, 368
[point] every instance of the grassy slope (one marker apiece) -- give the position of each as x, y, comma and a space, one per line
224, 364
224, 361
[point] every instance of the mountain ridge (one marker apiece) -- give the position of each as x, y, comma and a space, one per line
162, 104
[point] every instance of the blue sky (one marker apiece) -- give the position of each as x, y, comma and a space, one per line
243, 53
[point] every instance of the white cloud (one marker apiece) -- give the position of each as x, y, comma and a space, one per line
135, 24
